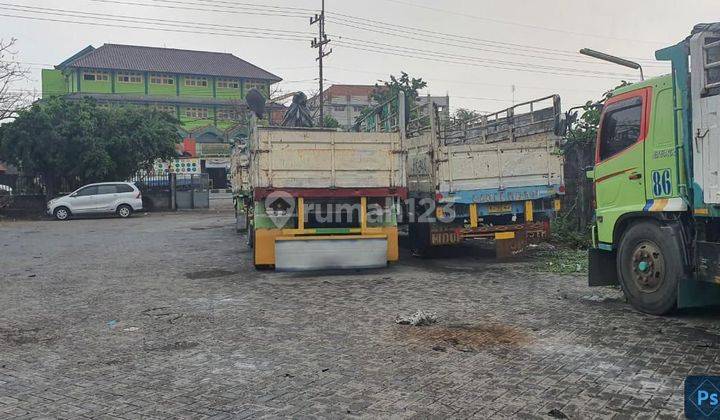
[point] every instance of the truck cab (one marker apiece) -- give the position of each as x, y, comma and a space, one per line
656, 183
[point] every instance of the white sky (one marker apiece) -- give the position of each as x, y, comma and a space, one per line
628, 28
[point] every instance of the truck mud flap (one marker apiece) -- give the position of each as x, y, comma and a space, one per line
312, 253
602, 268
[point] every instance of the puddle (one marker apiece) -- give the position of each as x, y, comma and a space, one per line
209, 274
465, 337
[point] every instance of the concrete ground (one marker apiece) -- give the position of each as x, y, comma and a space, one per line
163, 316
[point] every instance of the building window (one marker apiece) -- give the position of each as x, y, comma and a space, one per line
228, 114
96, 76
358, 108
170, 109
339, 108
162, 79
255, 84
196, 81
133, 78
197, 113
228, 84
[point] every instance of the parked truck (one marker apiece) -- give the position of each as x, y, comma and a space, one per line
495, 177
314, 198
657, 182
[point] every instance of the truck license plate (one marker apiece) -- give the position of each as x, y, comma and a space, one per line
500, 208
444, 237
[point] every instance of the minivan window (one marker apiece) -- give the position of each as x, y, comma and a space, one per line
620, 127
124, 188
107, 189
92, 190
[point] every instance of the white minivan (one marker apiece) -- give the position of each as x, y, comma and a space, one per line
121, 198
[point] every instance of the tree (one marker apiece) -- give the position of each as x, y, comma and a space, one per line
390, 89
579, 152
11, 72
463, 115
331, 122
80, 142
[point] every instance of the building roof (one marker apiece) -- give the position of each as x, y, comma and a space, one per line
352, 90
166, 60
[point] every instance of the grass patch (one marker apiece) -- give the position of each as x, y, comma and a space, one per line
562, 261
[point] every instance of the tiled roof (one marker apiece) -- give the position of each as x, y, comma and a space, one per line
168, 60
352, 90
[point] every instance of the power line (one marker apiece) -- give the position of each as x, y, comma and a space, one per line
467, 42
235, 4
386, 51
149, 28
151, 21
278, 11
484, 60
467, 82
248, 11
525, 25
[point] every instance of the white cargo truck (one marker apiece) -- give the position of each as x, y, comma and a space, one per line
497, 176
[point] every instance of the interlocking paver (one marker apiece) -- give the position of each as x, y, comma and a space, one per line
112, 325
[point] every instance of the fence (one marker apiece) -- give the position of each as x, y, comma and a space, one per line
174, 191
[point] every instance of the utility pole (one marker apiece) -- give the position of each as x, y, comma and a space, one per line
319, 43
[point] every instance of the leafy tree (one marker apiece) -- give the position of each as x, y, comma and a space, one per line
80, 142
579, 151
462, 115
331, 122
390, 89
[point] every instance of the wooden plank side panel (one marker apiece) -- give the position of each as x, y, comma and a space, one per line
502, 165
327, 159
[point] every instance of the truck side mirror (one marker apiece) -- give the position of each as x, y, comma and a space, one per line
590, 173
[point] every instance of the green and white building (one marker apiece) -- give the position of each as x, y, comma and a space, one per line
204, 90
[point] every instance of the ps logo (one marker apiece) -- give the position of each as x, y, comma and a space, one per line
702, 397
706, 397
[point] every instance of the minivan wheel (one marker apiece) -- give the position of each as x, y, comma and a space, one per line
124, 211
62, 213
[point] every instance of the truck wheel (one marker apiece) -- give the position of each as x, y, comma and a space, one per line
650, 265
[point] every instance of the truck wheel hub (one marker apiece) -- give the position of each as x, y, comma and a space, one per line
648, 267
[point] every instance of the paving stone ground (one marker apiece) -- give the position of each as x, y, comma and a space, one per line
162, 316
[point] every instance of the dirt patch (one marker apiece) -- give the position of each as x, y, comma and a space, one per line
20, 336
209, 274
208, 227
178, 345
465, 337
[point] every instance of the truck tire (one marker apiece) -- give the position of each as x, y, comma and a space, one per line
650, 265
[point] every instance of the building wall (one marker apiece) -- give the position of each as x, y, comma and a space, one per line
56, 82
345, 109
53, 83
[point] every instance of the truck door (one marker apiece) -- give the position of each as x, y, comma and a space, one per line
705, 53
620, 159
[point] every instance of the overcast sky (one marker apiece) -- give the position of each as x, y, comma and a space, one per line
475, 51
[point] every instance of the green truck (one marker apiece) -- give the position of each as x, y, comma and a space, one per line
656, 179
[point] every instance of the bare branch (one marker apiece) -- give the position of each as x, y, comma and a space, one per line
12, 73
